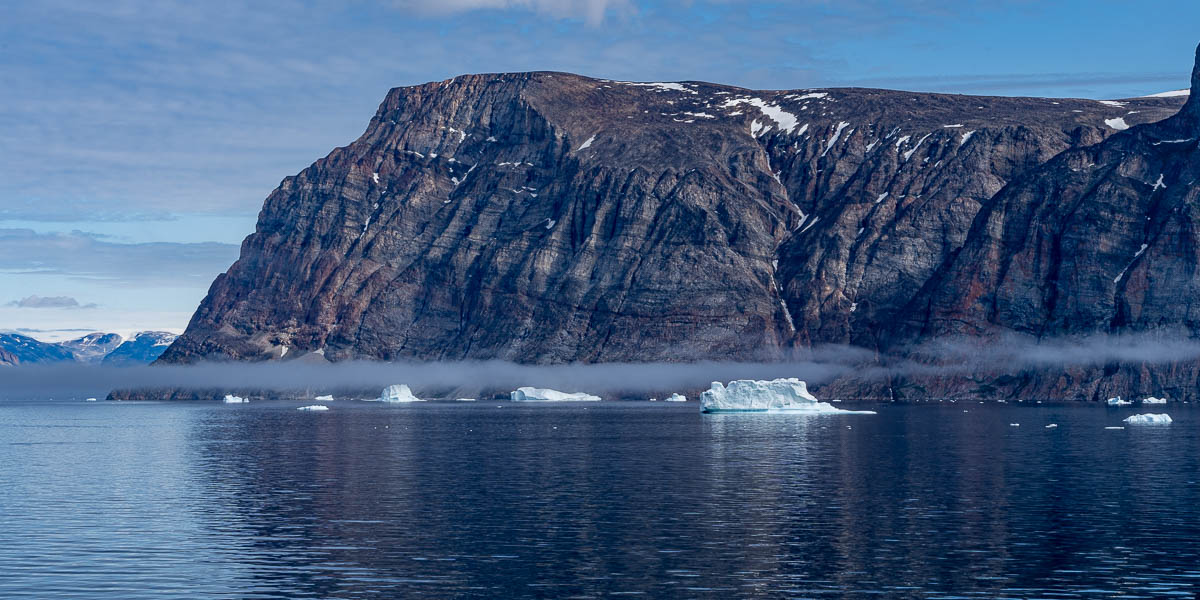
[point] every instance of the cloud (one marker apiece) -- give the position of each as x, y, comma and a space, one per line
49, 302
591, 11
82, 256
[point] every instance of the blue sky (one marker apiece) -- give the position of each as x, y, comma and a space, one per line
140, 137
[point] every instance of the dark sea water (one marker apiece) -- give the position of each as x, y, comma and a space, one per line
106, 500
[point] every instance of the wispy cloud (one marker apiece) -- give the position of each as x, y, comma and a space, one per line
49, 302
80, 256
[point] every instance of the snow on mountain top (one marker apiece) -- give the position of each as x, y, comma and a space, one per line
1170, 94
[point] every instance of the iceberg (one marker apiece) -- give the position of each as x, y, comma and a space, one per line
231, 399
90, 400
398, 393
1149, 419
1052, 426
676, 398
1118, 402
1153, 400
324, 398
313, 407
779, 395
464, 399
532, 394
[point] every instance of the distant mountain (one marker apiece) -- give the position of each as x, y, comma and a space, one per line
143, 348
17, 349
105, 348
92, 347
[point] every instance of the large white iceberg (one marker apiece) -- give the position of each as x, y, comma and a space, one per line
779, 395
1149, 419
532, 394
1153, 400
328, 398
398, 393
313, 407
1118, 402
231, 399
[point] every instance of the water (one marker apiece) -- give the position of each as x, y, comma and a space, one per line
125, 501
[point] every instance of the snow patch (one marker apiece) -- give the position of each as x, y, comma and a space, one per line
909, 153
966, 136
785, 120
532, 394
661, 87
837, 133
1118, 123
778, 395
881, 198
954, 126
1170, 94
375, 176
586, 144
1111, 103
1159, 184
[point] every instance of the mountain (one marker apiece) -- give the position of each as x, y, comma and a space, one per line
92, 347
549, 217
17, 349
143, 348
107, 348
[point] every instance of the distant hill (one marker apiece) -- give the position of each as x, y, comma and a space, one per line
142, 349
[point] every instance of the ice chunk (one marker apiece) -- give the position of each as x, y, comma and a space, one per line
398, 393
231, 399
1052, 426
676, 398
1014, 424
1118, 402
90, 400
324, 398
464, 399
779, 395
1149, 419
1114, 428
532, 394
313, 407
1153, 400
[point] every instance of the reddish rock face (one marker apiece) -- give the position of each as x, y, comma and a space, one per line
547, 217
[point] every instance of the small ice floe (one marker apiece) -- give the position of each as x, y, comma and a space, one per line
324, 398
90, 400
231, 399
1014, 424
313, 407
676, 398
464, 399
1114, 428
1052, 426
778, 395
654, 399
1153, 400
1118, 402
1149, 419
398, 394
532, 394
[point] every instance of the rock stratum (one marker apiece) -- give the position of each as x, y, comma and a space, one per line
549, 218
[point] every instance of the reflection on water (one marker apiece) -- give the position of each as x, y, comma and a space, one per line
263, 501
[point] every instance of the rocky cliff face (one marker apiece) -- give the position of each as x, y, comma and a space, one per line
547, 217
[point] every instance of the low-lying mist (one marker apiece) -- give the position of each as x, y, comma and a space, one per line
946, 357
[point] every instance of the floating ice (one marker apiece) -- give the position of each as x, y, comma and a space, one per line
1118, 402
90, 400
324, 398
779, 395
398, 393
1114, 428
231, 399
1052, 426
313, 407
1014, 424
676, 398
1153, 400
1149, 419
464, 399
532, 394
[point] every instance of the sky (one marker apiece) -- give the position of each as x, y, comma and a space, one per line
139, 138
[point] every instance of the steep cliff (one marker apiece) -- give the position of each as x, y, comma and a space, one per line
548, 217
